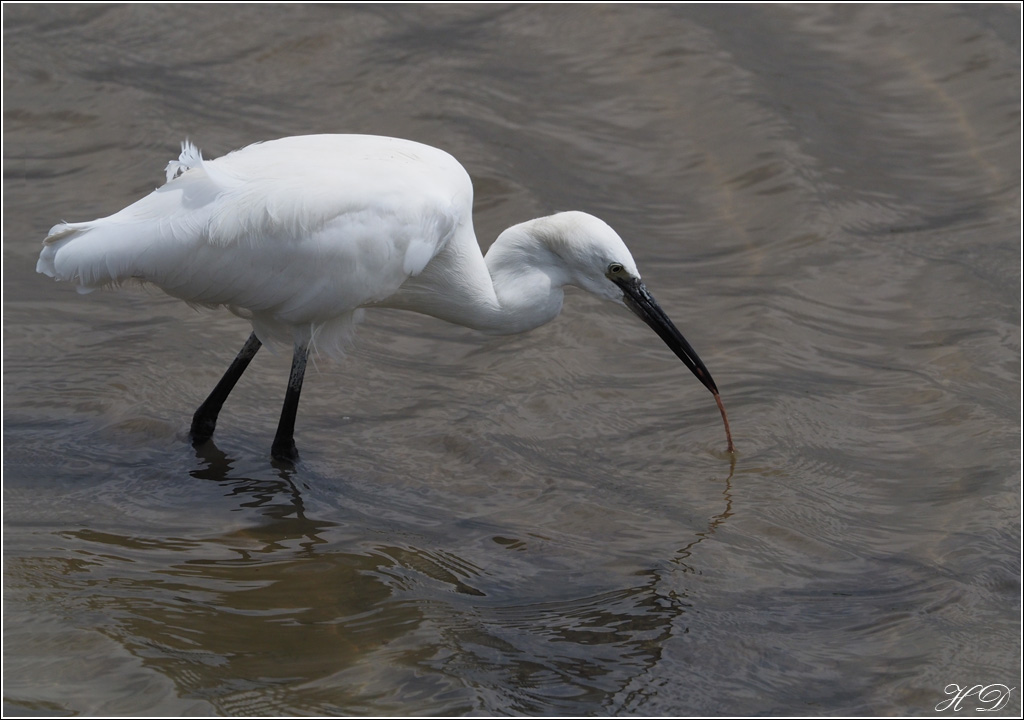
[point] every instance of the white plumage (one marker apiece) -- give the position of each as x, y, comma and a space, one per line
294, 234
299, 234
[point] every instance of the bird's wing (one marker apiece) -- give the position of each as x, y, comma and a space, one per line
300, 229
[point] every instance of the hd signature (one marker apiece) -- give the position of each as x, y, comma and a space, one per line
991, 697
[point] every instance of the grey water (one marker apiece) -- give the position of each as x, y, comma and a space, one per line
825, 198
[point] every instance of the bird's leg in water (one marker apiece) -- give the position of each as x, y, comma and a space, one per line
205, 419
284, 442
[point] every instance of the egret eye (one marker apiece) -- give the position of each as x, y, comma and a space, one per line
615, 269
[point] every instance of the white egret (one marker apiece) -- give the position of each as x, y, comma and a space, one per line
299, 234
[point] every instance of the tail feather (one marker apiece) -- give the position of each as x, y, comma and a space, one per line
59, 235
92, 254
145, 240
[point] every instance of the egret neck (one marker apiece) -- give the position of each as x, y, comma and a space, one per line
515, 288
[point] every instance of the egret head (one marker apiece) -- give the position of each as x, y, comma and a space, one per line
599, 262
586, 247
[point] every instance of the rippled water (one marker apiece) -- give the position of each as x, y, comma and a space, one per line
825, 198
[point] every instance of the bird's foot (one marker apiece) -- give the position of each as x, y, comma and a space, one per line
197, 440
285, 451
202, 428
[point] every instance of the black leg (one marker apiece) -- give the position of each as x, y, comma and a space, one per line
205, 419
284, 442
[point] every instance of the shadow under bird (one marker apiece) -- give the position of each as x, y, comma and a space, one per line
298, 235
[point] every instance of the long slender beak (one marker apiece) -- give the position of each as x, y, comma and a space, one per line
639, 300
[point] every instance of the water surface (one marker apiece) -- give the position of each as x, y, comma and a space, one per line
826, 199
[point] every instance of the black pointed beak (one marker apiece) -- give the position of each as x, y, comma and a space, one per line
639, 300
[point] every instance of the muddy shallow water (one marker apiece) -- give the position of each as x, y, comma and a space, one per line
826, 200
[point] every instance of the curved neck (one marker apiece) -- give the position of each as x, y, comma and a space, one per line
516, 288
